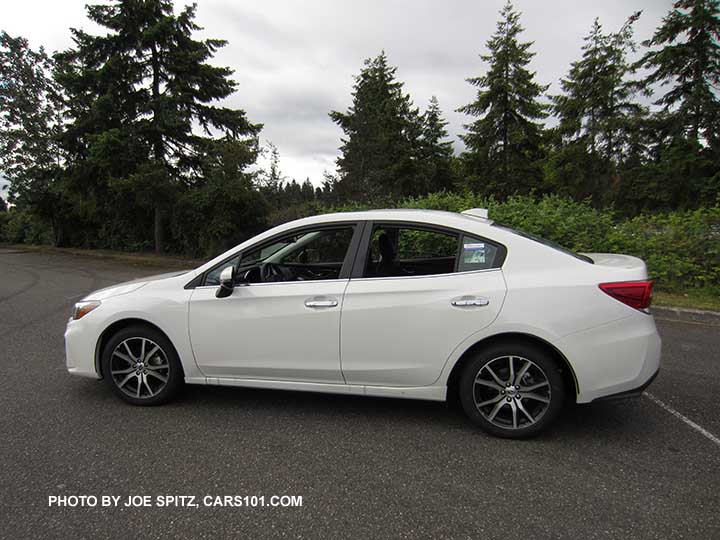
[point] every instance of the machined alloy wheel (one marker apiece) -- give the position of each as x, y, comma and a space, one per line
512, 390
141, 366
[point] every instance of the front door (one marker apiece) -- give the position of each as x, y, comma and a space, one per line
282, 320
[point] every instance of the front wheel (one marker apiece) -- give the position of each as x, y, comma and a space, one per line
141, 366
513, 391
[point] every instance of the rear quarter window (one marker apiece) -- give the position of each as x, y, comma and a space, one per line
478, 254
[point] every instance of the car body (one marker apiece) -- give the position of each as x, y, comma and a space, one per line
383, 303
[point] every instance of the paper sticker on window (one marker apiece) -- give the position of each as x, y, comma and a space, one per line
474, 253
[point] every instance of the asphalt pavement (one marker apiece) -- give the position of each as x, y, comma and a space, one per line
364, 467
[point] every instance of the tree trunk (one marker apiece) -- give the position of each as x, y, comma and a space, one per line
158, 146
57, 230
158, 230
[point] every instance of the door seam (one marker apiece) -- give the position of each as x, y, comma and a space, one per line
342, 305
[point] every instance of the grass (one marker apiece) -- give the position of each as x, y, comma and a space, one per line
693, 298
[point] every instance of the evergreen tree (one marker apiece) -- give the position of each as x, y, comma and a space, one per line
504, 144
270, 181
136, 96
382, 130
30, 121
597, 115
686, 57
435, 150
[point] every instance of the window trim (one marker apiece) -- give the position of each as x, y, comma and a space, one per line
358, 229
358, 269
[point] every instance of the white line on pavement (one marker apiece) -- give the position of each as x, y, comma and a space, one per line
684, 418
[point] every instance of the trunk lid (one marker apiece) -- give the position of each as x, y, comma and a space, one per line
627, 266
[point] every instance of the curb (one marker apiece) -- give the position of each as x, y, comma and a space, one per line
666, 313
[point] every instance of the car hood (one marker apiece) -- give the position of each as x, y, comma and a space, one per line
130, 286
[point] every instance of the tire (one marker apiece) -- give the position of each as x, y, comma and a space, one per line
518, 404
151, 380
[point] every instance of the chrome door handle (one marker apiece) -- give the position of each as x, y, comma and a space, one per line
470, 301
318, 303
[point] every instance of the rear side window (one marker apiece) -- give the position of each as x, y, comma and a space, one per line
397, 251
406, 251
477, 254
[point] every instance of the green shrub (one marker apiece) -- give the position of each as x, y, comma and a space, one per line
681, 249
4, 218
21, 227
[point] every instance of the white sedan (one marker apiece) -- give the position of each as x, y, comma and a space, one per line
398, 303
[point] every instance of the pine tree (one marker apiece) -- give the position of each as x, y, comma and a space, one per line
686, 57
435, 150
504, 143
30, 121
382, 130
597, 115
138, 95
270, 180
598, 98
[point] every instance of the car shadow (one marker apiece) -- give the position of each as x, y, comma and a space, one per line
585, 420
594, 421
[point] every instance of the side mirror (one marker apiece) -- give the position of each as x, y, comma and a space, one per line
227, 282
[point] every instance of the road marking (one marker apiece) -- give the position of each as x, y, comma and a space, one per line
684, 418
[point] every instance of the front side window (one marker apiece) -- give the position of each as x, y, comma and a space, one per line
213, 276
308, 255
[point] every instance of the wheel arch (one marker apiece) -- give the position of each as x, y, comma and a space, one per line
568, 373
115, 327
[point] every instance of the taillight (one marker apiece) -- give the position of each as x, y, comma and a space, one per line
636, 294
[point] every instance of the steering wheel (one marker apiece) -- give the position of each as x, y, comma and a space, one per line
270, 272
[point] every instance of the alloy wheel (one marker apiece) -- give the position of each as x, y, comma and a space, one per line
511, 392
139, 367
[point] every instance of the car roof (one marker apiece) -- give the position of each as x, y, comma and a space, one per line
439, 217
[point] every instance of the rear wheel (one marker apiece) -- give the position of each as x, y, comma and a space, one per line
141, 366
512, 390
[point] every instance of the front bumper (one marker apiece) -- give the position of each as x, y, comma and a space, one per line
80, 349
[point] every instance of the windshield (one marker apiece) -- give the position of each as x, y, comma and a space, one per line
545, 242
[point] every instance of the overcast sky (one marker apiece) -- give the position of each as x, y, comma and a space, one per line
295, 61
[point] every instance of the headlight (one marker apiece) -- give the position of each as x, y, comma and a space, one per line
83, 308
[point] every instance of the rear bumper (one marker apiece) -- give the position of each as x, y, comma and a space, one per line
616, 359
634, 393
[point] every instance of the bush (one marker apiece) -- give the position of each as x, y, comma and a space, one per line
681, 249
21, 227
3, 225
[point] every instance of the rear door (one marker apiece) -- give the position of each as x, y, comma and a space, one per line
419, 292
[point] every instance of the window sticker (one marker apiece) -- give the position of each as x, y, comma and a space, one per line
474, 253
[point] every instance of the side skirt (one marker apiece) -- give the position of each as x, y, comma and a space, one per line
432, 393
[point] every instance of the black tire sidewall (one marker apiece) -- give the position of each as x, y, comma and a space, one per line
175, 378
540, 357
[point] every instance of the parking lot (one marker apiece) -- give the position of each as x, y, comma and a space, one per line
365, 467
